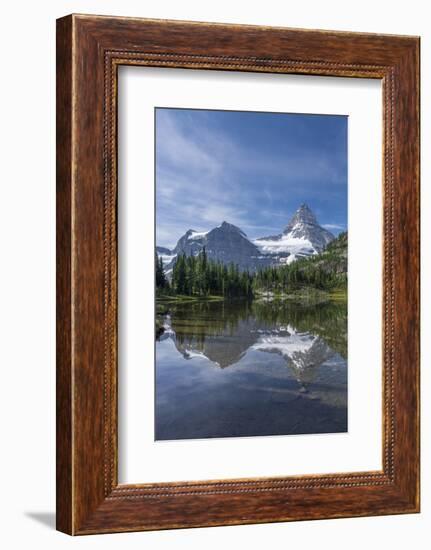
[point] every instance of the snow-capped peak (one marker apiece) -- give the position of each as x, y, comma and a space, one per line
303, 216
303, 236
227, 243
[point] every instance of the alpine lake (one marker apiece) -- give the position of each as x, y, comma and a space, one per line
241, 368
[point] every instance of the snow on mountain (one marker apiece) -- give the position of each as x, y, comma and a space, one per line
304, 225
285, 249
303, 352
166, 254
303, 349
197, 235
302, 237
225, 243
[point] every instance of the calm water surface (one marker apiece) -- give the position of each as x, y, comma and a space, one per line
231, 369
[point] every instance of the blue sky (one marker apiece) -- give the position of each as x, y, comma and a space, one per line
250, 169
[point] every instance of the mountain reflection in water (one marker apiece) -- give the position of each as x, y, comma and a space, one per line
239, 368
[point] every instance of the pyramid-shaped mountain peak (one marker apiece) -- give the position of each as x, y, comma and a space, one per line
303, 216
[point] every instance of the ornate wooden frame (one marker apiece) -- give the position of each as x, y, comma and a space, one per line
89, 51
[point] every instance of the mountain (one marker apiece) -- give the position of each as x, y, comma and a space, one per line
166, 254
225, 243
303, 236
162, 250
303, 352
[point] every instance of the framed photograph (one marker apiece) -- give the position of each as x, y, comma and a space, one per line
237, 274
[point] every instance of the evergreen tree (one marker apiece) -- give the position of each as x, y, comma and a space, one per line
200, 276
161, 280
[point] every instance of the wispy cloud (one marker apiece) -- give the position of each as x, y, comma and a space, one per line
207, 173
335, 226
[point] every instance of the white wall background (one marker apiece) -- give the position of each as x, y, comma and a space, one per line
27, 297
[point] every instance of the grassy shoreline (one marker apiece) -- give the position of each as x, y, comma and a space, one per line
178, 298
304, 295
304, 298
